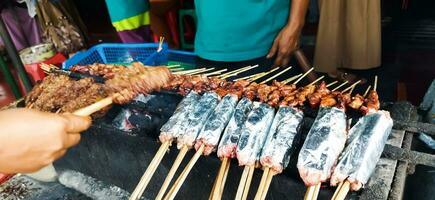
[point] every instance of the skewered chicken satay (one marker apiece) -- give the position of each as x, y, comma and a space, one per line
215, 124
356, 102
323, 145
365, 146
371, 104
321, 91
93, 94
196, 119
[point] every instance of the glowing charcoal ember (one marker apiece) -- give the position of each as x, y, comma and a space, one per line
228, 144
170, 129
215, 124
254, 133
359, 158
323, 145
196, 119
279, 142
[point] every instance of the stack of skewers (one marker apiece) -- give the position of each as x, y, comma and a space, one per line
241, 115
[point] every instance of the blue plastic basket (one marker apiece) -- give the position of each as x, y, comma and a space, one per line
115, 53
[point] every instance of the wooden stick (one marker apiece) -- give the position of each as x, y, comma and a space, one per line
267, 186
291, 79
180, 180
172, 171
317, 80
234, 71
262, 183
202, 71
339, 86
88, 110
177, 70
219, 178
250, 76
331, 84
309, 193
305, 74
341, 192
350, 87
263, 74
224, 179
216, 72
189, 71
367, 91
337, 190
146, 177
376, 83
276, 75
248, 182
172, 66
316, 191
213, 189
242, 183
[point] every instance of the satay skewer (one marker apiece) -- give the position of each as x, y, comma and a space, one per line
339, 86
276, 75
331, 84
215, 72
367, 91
237, 72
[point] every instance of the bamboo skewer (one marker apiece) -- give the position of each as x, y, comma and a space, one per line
242, 183
268, 182
248, 182
339, 86
180, 180
177, 69
376, 83
291, 79
172, 66
276, 75
191, 71
341, 191
305, 74
146, 177
262, 183
331, 84
312, 192
317, 80
367, 91
351, 86
236, 72
200, 72
172, 171
215, 72
263, 74
219, 179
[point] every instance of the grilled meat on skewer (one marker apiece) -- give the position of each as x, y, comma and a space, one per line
215, 124
170, 129
254, 133
364, 148
279, 142
323, 145
228, 144
196, 119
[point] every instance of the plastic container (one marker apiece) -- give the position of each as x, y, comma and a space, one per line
116, 53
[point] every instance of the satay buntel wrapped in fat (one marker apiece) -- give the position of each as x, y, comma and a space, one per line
279, 143
365, 146
323, 145
228, 144
366, 142
170, 129
196, 119
215, 124
254, 133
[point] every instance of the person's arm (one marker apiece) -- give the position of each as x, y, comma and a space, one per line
287, 40
30, 140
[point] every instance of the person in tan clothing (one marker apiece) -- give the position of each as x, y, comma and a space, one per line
349, 37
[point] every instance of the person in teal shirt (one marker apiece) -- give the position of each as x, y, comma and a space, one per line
246, 32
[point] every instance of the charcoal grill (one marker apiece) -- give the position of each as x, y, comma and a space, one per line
119, 158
